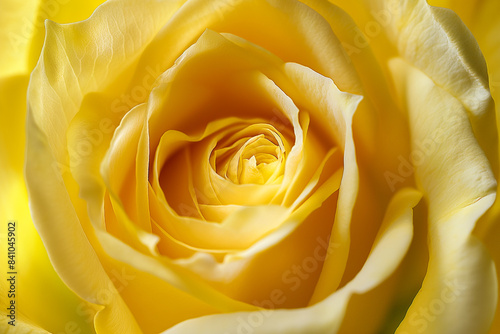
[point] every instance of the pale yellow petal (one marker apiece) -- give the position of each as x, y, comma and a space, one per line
459, 293
69, 53
69, 249
89, 55
419, 30
481, 17
448, 160
60, 11
458, 183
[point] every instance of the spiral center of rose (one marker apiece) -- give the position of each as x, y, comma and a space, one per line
254, 155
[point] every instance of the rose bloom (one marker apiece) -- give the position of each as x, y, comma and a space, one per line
249, 166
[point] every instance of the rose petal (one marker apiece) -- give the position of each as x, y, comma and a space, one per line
71, 253
479, 16
458, 193
326, 316
419, 30
68, 47
170, 273
295, 27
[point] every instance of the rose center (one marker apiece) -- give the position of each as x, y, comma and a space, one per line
255, 155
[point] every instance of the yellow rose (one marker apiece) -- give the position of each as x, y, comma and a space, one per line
261, 166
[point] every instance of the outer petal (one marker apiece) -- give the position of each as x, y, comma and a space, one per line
23, 30
60, 227
37, 283
418, 31
60, 11
481, 17
459, 185
71, 252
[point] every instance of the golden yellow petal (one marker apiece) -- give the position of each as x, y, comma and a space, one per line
326, 316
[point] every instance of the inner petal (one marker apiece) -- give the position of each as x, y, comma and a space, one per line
252, 159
